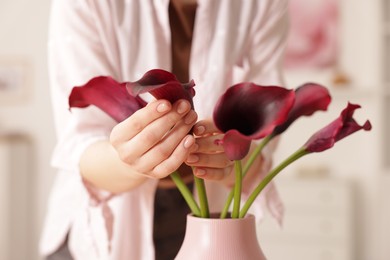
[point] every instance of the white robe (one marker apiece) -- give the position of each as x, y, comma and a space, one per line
233, 41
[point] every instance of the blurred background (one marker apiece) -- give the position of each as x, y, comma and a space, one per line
337, 202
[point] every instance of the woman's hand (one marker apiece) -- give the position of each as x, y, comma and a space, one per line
154, 141
209, 160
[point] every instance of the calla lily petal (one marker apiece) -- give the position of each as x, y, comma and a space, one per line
235, 145
252, 112
309, 98
162, 85
107, 94
121, 100
343, 126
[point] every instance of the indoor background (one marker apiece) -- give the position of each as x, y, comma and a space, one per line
337, 202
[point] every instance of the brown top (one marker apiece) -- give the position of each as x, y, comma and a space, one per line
170, 209
181, 19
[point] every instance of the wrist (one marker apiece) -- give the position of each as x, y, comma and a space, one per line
101, 166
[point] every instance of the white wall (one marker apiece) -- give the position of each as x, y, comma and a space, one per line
23, 30
23, 36
357, 158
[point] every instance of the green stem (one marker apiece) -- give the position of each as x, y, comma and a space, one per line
292, 158
257, 152
204, 205
247, 166
186, 193
237, 189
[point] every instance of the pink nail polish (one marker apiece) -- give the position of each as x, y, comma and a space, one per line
200, 172
189, 142
163, 107
200, 130
182, 107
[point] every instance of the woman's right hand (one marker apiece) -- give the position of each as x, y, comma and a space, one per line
155, 140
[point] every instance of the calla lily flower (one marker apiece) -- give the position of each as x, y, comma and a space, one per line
247, 112
108, 95
343, 126
309, 98
121, 100
324, 139
162, 85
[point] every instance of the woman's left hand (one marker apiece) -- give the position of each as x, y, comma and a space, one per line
209, 160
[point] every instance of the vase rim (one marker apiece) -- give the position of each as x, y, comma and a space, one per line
215, 217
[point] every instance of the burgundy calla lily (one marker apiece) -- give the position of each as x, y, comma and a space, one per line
324, 139
108, 95
248, 111
245, 112
343, 126
309, 98
121, 100
162, 85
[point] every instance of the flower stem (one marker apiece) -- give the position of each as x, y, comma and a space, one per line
186, 193
237, 189
204, 205
247, 166
292, 158
257, 152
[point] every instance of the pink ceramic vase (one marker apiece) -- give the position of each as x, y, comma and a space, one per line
220, 239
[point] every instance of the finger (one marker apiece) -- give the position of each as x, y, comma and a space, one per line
173, 162
208, 144
215, 174
154, 132
205, 127
208, 160
166, 146
130, 127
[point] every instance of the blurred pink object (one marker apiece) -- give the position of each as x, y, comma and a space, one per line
220, 239
313, 38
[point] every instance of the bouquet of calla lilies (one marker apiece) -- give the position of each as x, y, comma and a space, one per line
244, 113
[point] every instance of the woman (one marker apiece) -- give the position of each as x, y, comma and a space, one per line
112, 194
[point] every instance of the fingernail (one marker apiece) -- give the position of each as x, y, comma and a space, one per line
163, 107
200, 172
200, 130
192, 158
182, 107
189, 142
190, 118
